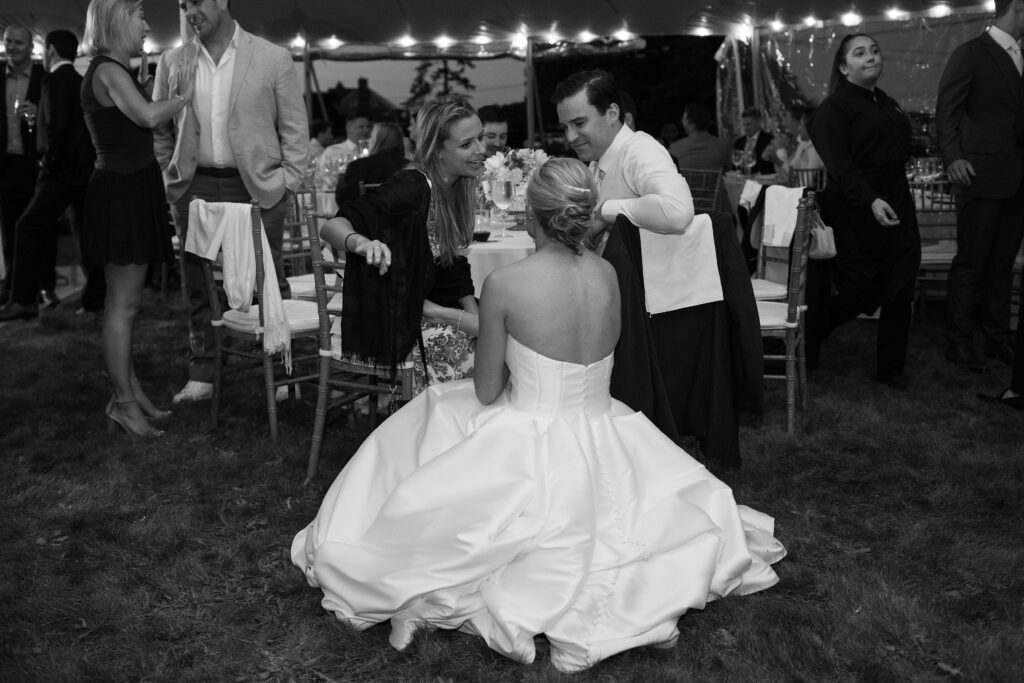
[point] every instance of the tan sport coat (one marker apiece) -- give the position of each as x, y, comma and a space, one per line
268, 128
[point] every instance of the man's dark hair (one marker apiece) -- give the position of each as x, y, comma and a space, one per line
599, 86
751, 113
64, 42
491, 114
319, 126
699, 115
1002, 6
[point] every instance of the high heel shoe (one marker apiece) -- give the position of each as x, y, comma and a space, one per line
115, 420
147, 407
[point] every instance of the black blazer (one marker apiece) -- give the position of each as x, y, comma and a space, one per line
69, 157
28, 140
978, 117
764, 139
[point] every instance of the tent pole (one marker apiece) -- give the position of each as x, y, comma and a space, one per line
755, 68
319, 94
307, 64
531, 125
739, 75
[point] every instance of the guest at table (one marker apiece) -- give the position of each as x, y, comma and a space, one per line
700, 149
978, 113
357, 133
495, 129
754, 142
412, 290
320, 136
125, 203
864, 138
387, 157
802, 156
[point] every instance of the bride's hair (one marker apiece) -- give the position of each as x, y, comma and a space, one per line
562, 196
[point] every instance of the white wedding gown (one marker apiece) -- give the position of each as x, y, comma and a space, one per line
554, 510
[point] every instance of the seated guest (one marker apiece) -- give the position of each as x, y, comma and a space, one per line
320, 136
754, 141
803, 156
387, 155
495, 129
700, 149
412, 291
629, 111
357, 129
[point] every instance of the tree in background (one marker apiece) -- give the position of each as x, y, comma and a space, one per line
439, 77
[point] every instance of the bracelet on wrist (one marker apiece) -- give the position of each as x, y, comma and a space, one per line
351, 234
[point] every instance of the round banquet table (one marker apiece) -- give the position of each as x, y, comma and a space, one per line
486, 257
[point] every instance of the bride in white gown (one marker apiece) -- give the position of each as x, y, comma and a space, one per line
527, 501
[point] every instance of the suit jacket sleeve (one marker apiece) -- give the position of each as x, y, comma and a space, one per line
954, 88
61, 109
292, 124
163, 134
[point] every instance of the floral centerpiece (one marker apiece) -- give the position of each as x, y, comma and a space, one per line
517, 165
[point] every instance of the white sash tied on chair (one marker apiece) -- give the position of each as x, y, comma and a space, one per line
225, 226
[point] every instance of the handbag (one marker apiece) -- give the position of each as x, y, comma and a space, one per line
823, 241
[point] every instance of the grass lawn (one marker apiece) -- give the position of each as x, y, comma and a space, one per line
168, 559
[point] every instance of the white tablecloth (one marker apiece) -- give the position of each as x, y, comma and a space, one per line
486, 257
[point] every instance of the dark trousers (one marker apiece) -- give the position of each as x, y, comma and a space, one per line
693, 348
1017, 381
36, 243
988, 237
200, 332
17, 180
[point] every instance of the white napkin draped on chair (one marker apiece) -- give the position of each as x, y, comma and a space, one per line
225, 226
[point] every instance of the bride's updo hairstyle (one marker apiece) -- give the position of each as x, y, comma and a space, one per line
562, 196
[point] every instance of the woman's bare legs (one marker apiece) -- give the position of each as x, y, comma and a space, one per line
124, 296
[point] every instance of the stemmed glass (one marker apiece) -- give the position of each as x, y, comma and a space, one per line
750, 160
501, 193
737, 159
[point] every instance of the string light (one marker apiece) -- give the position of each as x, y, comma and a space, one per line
895, 14
851, 19
444, 42
810, 21
940, 11
332, 43
586, 36
623, 35
406, 41
298, 41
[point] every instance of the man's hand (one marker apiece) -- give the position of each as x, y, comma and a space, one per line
961, 172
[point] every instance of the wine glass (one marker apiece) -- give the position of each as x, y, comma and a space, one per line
750, 161
501, 193
737, 159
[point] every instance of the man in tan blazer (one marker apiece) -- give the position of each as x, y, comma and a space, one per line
245, 135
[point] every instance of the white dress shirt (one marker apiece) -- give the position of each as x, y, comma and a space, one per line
1006, 41
639, 181
212, 104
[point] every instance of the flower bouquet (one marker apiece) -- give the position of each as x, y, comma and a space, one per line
517, 165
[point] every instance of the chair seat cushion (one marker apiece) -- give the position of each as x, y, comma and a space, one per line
304, 287
766, 290
302, 317
772, 314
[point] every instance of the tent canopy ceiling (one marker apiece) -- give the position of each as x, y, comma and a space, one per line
383, 22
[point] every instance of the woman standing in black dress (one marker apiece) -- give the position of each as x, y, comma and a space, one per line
863, 136
126, 208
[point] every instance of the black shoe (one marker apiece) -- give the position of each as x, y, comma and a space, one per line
49, 298
966, 357
1002, 351
898, 382
1015, 402
16, 311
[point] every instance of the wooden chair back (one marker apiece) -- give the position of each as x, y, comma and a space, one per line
704, 187
812, 178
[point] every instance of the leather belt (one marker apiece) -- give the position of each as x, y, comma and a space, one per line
217, 172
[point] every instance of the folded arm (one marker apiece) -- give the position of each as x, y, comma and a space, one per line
663, 203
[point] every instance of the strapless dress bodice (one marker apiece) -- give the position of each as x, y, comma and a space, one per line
552, 387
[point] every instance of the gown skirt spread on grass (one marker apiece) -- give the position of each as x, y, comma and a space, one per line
126, 219
554, 510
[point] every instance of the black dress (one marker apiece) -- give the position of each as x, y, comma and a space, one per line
864, 138
126, 215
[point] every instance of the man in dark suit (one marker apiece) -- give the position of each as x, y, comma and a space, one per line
980, 125
755, 141
20, 82
700, 149
64, 170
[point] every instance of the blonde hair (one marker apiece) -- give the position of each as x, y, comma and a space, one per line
453, 203
106, 26
563, 196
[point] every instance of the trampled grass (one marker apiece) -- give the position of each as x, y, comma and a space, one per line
903, 514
